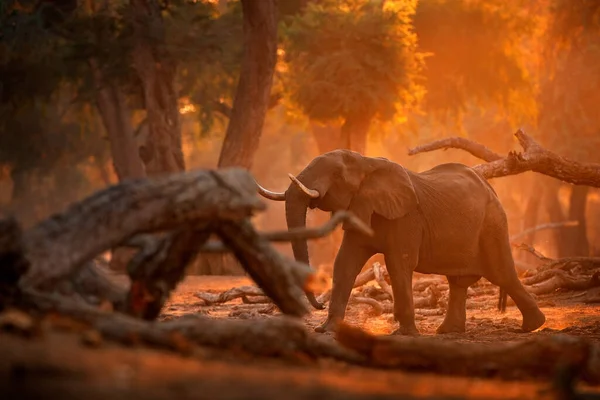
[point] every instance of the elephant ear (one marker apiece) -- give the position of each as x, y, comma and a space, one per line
387, 191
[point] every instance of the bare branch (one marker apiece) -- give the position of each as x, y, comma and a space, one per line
381, 280
314, 233
228, 295
338, 218
533, 251
476, 149
552, 225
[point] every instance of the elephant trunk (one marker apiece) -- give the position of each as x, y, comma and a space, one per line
296, 207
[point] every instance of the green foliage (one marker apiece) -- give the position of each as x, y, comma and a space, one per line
476, 49
352, 57
208, 73
37, 59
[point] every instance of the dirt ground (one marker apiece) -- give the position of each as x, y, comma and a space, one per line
563, 313
59, 364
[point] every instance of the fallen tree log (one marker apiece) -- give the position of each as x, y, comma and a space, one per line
228, 295
537, 357
168, 220
533, 158
561, 280
56, 246
277, 336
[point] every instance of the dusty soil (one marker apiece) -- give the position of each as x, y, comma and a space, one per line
57, 363
564, 312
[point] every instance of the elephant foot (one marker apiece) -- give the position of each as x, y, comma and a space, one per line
327, 326
533, 319
450, 327
407, 331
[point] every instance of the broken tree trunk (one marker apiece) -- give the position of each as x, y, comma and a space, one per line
156, 270
533, 158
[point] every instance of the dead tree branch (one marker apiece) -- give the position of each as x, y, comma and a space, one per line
381, 280
281, 279
551, 225
533, 251
533, 158
559, 279
338, 218
476, 149
228, 295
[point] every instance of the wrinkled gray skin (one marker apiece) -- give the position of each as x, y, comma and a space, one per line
447, 221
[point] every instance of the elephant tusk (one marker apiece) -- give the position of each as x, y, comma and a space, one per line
277, 196
313, 194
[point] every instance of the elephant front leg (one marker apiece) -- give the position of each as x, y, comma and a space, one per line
456, 315
401, 267
349, 261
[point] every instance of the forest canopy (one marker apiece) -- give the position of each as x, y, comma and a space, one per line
97, 91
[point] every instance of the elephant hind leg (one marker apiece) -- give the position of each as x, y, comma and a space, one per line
500, 270
533, 317
456, 315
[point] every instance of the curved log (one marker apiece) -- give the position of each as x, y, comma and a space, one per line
59, 244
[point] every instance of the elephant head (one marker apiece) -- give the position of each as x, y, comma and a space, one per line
345, 180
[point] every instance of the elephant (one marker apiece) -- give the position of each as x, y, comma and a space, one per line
447, 220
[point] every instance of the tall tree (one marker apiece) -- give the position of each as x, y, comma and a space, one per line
156, 70
354, 61
254, 87
568, 100
109, 94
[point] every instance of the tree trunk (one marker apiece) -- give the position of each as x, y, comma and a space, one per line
576, 236
531, 218
253, 92
355, 131
115, 115
162, 152
555, 214
328, 137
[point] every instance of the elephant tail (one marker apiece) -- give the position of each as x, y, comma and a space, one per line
502, 298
